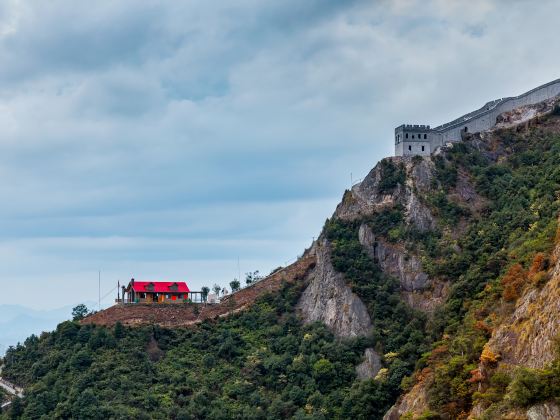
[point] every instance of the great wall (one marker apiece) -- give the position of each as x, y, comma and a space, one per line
417, 139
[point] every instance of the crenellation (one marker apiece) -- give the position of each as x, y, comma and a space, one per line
419, 139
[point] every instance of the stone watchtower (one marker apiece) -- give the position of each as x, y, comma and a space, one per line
413, 140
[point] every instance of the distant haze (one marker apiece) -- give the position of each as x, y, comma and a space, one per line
165, 140
19, 322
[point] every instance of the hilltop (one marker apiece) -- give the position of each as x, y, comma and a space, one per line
432, 292
184, 315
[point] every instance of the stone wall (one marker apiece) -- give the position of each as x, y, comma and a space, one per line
476, 121
486, 117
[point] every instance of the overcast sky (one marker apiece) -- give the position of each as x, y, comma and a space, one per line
163, 140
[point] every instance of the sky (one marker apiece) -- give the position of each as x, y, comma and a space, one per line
167, 140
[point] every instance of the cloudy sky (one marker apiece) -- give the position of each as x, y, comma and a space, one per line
163, 140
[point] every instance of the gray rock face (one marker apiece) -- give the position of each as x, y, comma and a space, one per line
365, 199
370, 366
544, 411
394, 261
329, 300
418, 215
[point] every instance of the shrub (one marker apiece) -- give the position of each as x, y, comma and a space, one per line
512, 282
391, 176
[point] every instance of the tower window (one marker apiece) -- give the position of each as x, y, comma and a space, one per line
425, 136
409, 147
413, 136
422, 148
406, 135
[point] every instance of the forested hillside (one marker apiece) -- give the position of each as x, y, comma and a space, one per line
439, 273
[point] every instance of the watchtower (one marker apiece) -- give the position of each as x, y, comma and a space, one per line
413, 139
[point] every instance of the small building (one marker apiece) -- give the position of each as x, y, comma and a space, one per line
157, 292
413, 139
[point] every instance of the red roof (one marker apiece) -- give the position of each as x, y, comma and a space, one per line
160, 286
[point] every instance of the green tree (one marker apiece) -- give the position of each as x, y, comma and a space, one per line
235, 285
204, 293
80, 312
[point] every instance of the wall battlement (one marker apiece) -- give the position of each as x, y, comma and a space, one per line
417, 139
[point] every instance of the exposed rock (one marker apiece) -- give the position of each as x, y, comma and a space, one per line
422, 174
329, 300
417, 289
429, 299
394, 260
544, 411
414, 403
365, 199
527, 337
525, 114
418, 215
370, 366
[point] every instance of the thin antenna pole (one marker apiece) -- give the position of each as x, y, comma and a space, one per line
99, 288
238, 270
351, 180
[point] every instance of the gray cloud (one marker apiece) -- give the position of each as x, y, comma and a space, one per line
167, 139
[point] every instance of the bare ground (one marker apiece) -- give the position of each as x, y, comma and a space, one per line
181, 315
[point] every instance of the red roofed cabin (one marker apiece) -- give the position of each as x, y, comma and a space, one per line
157, 292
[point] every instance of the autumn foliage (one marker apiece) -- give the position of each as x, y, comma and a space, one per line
513, 282
488, 357
537, 272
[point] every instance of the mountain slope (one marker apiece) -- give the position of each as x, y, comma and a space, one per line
432, 289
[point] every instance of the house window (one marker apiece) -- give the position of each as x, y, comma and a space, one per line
409, 147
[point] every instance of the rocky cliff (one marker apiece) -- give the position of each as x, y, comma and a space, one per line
502, 360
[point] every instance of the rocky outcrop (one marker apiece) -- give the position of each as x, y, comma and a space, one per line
329, 300
370, 366
417, 289
394, 260
544, 411
365, 199
525, 114
528, 336
414, 402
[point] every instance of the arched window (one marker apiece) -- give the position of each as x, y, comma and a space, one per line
409, 147
413, 136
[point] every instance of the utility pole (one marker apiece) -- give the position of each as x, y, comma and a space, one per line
99, 288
